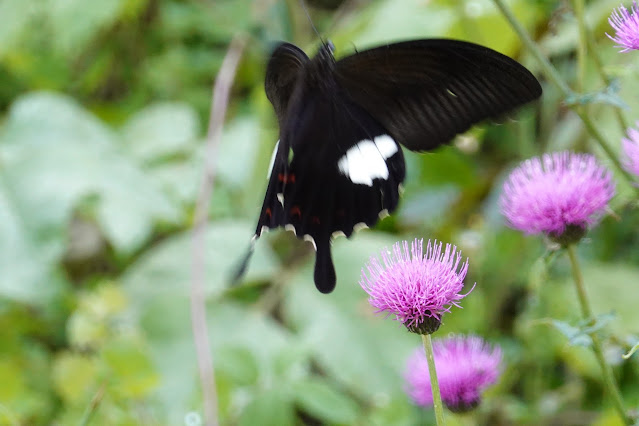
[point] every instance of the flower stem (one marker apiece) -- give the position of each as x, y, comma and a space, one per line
578, 8
593, 54
553, 75
587, 49
608, 377
437, 397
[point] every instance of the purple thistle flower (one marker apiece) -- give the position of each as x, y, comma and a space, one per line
417, 290
466, 366
626, 25
559, 194
631, 150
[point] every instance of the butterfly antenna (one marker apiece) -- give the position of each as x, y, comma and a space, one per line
308, 16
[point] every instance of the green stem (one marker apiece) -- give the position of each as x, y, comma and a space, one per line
587, 49
608, 377
594, 55
92, 407
553, 75
578, 7
437, 397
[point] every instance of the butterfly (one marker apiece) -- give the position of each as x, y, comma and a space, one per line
338, 164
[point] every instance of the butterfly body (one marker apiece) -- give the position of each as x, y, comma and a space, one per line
338, 165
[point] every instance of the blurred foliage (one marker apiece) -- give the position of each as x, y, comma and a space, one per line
103, 107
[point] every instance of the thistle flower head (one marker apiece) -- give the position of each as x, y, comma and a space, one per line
559, 194
416, 287
630, 146
626, 26
466, 366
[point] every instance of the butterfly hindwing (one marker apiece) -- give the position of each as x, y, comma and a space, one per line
335, 178
427, 91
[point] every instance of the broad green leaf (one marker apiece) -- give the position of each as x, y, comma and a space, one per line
27, 255
271, 408
75, 376
161, 130
319, 399
398, 411
131, 370
165, 317
168, 267
75, 22
54, 155
15, 17
25, 394
238, 363
237, 154
14, 384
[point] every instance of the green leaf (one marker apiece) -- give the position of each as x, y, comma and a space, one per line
75, 376
131, 371
576, 335
54, 155
76, 22
168, 266
317, 398
237, 154
271, 408
165, 318
15, 17
161, 130
238, 363
609, 96
28, 251
580, 335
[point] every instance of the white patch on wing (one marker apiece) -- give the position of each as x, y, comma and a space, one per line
384, 213
366, 160
338, 234
270, 167
359, 226
307, 237
280, 198
291, 228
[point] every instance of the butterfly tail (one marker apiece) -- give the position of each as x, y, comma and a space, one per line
324, 276
242, 266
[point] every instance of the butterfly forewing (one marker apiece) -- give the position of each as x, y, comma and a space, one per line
282, 71
424, 92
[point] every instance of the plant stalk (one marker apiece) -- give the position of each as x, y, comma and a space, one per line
437, 397
608, 377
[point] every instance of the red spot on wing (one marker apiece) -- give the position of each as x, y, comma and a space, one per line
286, 178
268, 212
315, 220
295, 211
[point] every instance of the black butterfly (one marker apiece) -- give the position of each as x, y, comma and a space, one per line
338, 165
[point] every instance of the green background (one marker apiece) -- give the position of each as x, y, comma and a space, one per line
103, 112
